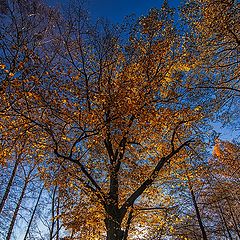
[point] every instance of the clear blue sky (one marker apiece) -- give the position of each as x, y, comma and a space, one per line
118, 9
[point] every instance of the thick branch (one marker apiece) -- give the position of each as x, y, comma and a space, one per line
150, 179
86, 185
83, 169
155, 208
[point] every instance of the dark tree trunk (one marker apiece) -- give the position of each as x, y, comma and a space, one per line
234, 220
9, 185
225, 222
14, 217
200, 223
113, 226
58, 221
129, 220
51, 234
33, 214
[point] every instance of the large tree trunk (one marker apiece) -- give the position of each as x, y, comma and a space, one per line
113, 226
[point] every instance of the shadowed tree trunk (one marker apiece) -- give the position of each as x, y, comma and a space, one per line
33, 213
53, 209
14, 217
58, 221
225, 222
129, 220
200, 223
115, 214
236, 225
10, 182
9, 185
114, 231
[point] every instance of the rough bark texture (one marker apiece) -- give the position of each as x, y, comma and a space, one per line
113, 226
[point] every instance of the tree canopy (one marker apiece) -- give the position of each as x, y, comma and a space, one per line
110, 126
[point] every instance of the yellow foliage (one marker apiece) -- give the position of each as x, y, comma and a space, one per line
11, 74
216, 150
2, 66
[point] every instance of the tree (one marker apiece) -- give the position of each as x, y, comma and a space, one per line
226, 176
24, 30
214, 187
105, 117
213, 38
111, 115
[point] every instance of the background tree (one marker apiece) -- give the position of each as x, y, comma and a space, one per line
214, 41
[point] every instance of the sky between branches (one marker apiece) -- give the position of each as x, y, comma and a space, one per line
115, 11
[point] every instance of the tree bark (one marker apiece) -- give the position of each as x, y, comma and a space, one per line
115, 214
113, 226
58, 221
234, 220
33, 213
51, 235
10, 230
225, 222
9, 185
129, 220
200, 223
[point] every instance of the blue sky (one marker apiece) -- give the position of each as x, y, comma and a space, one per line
115, 11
